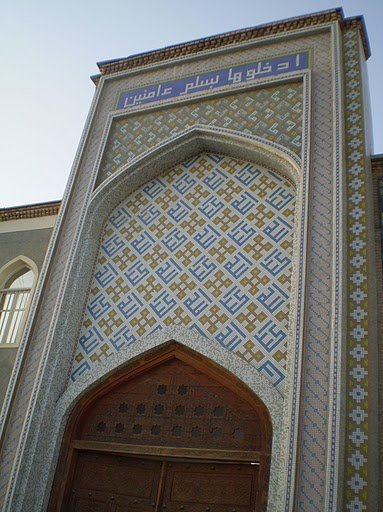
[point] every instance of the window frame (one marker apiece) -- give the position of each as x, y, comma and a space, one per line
8, 274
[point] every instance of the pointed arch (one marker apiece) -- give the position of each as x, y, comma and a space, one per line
242, 430
153, 163
15, 303
172, 151
187, 342
67, 318
15, 266
188, 143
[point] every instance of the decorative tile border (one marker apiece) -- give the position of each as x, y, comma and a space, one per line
310, 390
208, 81
357, 426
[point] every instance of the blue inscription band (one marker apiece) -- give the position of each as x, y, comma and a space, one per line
212, 80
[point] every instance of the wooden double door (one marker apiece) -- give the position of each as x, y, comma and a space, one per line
172, 433
108, 482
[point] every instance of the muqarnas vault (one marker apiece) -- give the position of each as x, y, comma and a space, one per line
203, 331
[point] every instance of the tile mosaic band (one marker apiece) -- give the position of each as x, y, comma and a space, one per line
274, 113
357, 421
206, 81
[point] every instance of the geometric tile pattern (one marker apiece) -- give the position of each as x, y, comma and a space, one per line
207, 246
274, 113
312, 421
356, 470
32, 359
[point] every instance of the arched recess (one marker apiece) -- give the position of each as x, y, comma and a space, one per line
171, 431
58, 351
140, 171
202, 138
204, 233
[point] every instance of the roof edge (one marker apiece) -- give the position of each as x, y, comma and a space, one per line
195, 46
48, 208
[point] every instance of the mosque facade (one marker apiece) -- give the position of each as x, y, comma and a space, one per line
197, 325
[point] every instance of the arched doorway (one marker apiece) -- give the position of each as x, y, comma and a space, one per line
174, 432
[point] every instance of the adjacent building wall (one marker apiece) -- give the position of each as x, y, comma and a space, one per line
21, 237
377, 194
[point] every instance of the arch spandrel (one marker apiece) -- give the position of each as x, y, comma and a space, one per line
128, 133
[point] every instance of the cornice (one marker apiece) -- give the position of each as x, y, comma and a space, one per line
377, 159
50, 208
109, 67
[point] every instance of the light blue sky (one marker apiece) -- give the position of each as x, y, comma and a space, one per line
49, 49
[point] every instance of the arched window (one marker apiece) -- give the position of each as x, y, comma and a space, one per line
14, 298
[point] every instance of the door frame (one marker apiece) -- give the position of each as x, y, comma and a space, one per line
71, 444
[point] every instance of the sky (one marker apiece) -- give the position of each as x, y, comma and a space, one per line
49, 49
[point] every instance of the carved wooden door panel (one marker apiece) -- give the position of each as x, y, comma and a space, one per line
109, 482
167, 437
175, 405
209, 487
